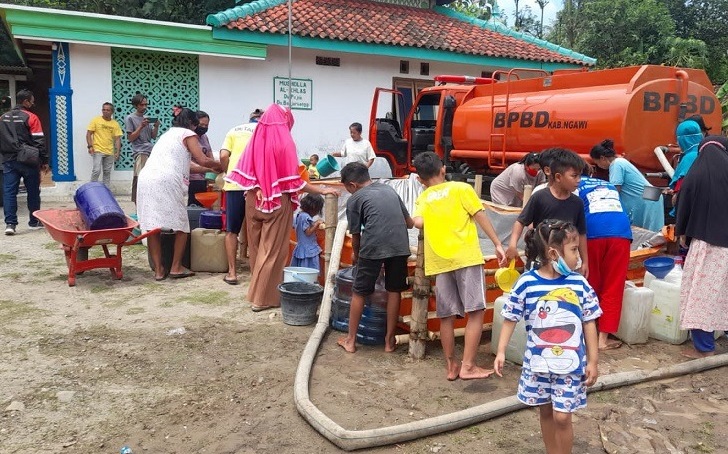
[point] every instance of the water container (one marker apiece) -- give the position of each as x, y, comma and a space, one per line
167, 239
372, 326
665, 317
345, 281
98, 207
299, 302
327, 165
300, 274
340, 314
193, 214
517, 345
637, 305
208, 251
674, 276
211, 220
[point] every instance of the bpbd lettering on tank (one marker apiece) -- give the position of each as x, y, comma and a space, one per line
538, 119
654, 101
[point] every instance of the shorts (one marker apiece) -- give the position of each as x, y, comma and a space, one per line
566, 392
234, 210
460, 291
140, 161
367, 272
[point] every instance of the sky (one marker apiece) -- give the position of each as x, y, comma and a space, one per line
549, 12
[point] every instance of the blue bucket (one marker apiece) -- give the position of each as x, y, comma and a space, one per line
98, 207
327, 166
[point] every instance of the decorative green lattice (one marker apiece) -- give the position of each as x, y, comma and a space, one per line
165, 79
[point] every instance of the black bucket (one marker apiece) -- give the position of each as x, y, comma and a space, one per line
299, 302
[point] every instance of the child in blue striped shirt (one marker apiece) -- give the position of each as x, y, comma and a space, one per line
560, 309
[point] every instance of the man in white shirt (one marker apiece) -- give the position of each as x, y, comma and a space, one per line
357, 149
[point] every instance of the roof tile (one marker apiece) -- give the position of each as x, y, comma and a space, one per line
389, 24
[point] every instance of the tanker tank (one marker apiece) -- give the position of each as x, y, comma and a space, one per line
638, 107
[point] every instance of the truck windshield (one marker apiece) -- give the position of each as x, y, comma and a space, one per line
425, 114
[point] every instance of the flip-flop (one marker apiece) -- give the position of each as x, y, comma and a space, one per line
230, 281
611, 346
255, 308
186, 273
160, 278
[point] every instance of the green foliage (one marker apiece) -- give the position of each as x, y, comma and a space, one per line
687, 53
624, 32
480, 9
181, 11
722, 95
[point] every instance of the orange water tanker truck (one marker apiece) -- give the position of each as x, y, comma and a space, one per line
484, 124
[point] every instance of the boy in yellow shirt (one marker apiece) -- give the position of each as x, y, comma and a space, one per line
449, 211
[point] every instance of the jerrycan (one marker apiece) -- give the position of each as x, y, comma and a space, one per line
517, 345
637, 305
665, 317
674, 276
208, 251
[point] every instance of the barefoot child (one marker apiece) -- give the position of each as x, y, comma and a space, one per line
449, 210
378, 223
307, 251
560, 310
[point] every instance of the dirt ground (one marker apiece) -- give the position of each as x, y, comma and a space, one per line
184, 366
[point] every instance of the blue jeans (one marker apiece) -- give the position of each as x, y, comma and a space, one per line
13, 171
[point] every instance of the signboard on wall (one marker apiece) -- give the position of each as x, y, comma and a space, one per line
301, 92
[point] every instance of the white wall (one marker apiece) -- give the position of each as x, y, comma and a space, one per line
231, 88
91, 84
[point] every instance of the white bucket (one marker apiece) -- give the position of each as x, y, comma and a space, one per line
300, 274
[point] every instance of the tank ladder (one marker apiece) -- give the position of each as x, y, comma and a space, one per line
512, 75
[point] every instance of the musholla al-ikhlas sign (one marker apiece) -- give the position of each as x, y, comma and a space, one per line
300, 92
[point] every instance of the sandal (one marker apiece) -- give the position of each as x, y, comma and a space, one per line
230, 281
255, 308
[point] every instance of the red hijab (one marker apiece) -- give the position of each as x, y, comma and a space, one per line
270, 161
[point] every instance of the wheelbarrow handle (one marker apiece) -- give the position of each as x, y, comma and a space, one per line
138, 238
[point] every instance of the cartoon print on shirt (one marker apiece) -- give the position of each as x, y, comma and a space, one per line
557, 332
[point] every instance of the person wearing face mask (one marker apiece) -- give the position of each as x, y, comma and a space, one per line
507, 188
197, 171
608, 239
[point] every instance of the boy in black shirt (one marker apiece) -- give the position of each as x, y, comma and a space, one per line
557, 201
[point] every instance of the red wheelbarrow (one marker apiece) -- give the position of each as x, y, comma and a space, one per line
67, 227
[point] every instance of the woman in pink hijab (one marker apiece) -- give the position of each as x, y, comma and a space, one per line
268, 171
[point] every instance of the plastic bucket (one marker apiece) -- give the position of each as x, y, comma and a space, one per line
327, 165
299, 302
507, 277
300, 274
98, 207
303, 172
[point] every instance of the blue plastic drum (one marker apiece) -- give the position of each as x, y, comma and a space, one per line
98, 207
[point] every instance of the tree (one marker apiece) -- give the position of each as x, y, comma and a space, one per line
480, 9
527, 22
541, 4
624, 32
687, 53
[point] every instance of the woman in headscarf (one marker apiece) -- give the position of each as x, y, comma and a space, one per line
702, 216
631, 184
269, 172
689, 136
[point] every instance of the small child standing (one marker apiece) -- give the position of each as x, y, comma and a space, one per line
560, 310
378, 223
313, 172
307, 251
449, 210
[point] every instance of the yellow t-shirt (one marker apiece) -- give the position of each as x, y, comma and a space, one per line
451, 236
235, 142
104, 134
313, 171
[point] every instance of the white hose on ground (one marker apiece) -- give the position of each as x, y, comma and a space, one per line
350, 440
660, 153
